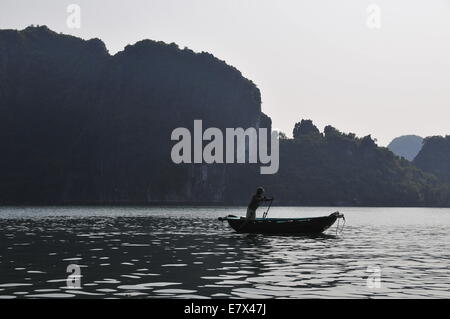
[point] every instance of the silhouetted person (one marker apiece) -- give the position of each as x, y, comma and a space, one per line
257, 199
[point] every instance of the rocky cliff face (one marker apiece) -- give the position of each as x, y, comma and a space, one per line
80, 125
339, 169
435, 157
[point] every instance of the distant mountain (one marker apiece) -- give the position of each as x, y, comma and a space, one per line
407, 146
435, 157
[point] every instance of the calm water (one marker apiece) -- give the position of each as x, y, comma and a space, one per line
187, 253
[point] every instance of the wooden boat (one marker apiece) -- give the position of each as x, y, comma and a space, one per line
313, 225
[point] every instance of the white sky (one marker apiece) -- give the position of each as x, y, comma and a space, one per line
313, 59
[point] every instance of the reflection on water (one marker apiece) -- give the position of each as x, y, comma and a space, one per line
187, 253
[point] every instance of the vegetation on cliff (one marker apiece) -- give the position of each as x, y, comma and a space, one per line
82, 126
334, 168
435, 157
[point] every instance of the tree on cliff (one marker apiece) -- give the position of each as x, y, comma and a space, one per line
304, 128
80, 125
335, 168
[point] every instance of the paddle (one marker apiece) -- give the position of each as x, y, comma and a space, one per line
265, 213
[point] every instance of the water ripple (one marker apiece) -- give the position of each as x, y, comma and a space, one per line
186, 253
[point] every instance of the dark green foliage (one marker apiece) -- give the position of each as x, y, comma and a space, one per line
282, 136
81, 126
341, 169
305, 127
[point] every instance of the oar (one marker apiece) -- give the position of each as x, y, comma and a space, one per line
265, 214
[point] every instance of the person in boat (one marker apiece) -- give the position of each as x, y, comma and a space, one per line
257, 199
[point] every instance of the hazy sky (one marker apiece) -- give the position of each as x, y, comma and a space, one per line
313, 59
